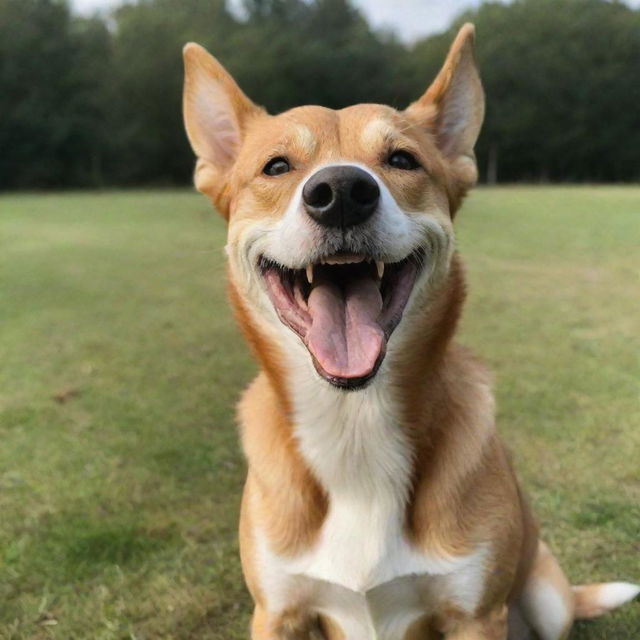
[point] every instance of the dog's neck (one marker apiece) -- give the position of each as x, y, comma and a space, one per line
353, 441
407, 433
408, 382
368, 440
347, 432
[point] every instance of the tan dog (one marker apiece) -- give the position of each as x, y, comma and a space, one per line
380, 501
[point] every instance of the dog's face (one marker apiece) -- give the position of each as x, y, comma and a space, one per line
339, 221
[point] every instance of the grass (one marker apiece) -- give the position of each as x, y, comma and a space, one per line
120, 474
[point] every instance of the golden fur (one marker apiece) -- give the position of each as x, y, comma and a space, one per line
463, 488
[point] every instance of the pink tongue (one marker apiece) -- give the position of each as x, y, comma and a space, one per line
344, 337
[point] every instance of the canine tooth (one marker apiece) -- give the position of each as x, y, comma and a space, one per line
310, 273
380, 268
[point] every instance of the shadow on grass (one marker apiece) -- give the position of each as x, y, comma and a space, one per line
607, 513
70, 547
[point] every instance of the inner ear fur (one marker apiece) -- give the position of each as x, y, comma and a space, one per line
452, 108
216, 112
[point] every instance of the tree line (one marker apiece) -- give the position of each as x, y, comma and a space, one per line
96, 101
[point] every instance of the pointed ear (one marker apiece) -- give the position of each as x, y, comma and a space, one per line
215, 114
452, 108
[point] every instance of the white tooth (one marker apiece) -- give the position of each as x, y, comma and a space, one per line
380, 268
310, 273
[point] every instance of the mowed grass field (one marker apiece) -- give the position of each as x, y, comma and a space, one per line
120, 473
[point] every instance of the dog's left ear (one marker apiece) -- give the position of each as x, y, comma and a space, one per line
452, 108
216, 113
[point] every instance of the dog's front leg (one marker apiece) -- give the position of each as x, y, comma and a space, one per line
260, 624
492, 626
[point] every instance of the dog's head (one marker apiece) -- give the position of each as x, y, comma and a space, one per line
340, 222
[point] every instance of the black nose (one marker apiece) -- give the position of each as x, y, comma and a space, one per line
340, 196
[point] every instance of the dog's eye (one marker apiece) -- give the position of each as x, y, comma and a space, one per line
276, 167
403, 160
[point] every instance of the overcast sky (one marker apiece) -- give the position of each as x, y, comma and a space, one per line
409, 18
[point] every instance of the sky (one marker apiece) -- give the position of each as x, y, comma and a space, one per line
411, 19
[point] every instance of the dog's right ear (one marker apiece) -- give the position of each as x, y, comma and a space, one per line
216, 112
452, 110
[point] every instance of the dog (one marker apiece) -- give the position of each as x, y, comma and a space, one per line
379, 501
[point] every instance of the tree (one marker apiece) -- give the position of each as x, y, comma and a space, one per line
86, 102
51, 75
149, 144
561, 78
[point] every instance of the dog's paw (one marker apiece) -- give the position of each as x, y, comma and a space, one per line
300, 626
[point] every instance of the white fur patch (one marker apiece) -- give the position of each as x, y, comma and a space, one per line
376, 131
360, 455
615, 594
305, 138
545, 610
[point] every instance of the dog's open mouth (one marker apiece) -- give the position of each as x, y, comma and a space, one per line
344, 309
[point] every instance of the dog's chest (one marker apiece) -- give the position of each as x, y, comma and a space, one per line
362, 571
362, 458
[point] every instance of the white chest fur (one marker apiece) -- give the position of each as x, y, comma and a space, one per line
362, 571
354, 446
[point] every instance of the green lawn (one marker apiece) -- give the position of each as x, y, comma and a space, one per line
120, 473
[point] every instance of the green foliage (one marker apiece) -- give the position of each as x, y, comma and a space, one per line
291, 53
97, 101
562, 99
562, 95
52, 67
149, 143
